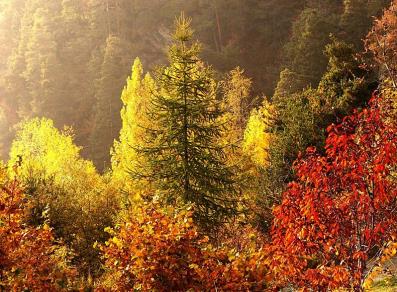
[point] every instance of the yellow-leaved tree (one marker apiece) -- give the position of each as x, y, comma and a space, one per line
42, 149
136, 99
62, 187
255, 150
245, 146
236, 90
257, 135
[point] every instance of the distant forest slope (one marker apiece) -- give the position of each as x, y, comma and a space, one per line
68, 59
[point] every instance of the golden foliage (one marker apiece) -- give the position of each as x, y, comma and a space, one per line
135, 98
257, 135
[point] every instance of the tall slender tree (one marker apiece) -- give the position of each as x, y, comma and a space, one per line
134, 119
185, 161
107, 89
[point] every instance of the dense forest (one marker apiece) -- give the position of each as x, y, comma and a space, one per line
201, 145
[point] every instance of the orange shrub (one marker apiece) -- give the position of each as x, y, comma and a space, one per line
29, 258
162, 252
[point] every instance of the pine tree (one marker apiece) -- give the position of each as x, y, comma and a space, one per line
185, 161
304, 51
355, 21
267, 27
236, 90
236, 105
289, 83
42, 73
10, 22
11, 12
344, 86
75, 52
107, 89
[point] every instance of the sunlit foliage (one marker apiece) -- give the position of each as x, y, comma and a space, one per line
162, 250
30, 258
58, 182
257, 135
198, 182
42, 150
136, 102
341, 207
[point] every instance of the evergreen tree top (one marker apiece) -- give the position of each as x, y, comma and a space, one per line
183, 49
183, 31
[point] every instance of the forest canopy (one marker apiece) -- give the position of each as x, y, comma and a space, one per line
206, 145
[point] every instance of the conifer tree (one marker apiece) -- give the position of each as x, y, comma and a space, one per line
357, 18
185, 161
10, 22
289, 83
344, 86
267, 27
355, 21
75, 52
236, 104
310, 34
42, 72
108, 86
237, 90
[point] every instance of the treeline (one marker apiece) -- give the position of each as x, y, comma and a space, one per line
208, 185
68, 60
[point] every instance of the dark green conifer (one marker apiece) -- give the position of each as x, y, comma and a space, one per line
186, 163
106, 121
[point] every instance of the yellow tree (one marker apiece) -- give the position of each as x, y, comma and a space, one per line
250, 136
64, 186
135, 98
236, 102
257, 135
255, 148
237, 95
31, 146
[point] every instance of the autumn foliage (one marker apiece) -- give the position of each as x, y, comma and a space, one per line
381, 42
341, 208
333, 219
30, 260
156, 251
203, 193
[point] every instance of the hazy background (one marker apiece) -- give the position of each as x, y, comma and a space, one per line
68, 59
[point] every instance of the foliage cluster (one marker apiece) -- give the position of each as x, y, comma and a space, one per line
76, 200
340, 209
30, 257
161, 250
209, 187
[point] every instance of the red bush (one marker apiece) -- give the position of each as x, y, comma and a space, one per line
342, 206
